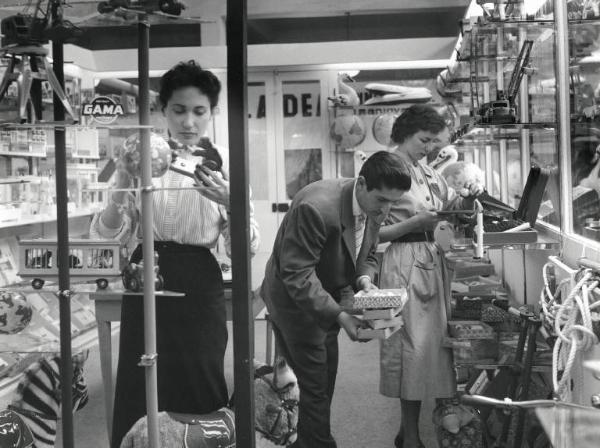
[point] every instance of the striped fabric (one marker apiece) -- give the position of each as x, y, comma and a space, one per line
38, 398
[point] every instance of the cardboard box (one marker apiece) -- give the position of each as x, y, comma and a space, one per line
469, 329
380, 298
507, 238
381, 313
472, 351
376, 324
497, 211
380, 333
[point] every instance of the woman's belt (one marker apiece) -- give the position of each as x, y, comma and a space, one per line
167, 247
415, 237
177, 248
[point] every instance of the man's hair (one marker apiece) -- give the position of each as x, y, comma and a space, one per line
385, 169
418, 117
189, 74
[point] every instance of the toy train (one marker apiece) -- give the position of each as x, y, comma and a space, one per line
88, 260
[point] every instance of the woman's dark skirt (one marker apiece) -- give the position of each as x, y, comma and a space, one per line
191, 341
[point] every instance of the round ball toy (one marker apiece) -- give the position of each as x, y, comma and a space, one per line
160, 154
15, 312
348, 131
382, 128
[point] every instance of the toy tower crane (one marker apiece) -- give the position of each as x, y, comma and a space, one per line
24, 37
503, 109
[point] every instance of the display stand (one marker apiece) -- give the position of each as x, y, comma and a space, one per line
148, 359
62, 228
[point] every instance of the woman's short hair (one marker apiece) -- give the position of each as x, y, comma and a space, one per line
189, 74
385, 169
418, 117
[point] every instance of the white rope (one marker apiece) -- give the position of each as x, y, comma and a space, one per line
572, 322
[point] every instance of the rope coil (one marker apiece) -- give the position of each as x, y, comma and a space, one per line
571, 320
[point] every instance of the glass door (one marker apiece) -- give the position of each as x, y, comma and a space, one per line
288, 142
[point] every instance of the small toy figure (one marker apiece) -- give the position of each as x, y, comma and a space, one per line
133, 276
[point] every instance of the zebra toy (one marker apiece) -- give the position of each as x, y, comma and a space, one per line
37, 404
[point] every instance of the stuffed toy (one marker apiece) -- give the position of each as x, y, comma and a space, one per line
276, 395
457, 426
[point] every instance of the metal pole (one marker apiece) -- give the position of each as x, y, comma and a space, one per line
149, 359
243, 320
62, 242
563, 114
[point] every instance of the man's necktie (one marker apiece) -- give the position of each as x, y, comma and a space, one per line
359, 232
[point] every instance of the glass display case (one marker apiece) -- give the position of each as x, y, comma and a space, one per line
584, 112
502, 79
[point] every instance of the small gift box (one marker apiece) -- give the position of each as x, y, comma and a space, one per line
380, 298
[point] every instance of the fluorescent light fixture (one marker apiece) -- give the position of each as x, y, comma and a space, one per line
386, 65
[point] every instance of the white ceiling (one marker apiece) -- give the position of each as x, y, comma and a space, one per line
436, 50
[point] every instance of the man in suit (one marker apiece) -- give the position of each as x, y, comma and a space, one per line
323, 252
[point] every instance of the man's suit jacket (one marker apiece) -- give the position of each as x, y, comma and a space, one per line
312, 267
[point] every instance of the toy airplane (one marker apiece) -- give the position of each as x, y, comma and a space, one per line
395, 94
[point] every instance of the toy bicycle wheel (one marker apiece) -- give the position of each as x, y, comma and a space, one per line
37, 283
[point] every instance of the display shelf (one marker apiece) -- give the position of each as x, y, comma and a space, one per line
23, 154
594, 21
508, 23
19, 180
487, 57
59, 125
43, 218
499, 131
543, 242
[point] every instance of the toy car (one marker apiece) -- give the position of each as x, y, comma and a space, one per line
133, 277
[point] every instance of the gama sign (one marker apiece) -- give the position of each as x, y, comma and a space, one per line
102, 109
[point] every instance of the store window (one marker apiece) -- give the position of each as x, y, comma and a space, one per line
584, 92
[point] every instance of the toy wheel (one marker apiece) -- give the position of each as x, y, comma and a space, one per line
37, 283
133, 284
159, 283
102, 283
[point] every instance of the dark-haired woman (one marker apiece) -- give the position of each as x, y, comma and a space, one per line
191, 330
414, 364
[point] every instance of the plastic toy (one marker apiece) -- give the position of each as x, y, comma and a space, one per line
133, 276
88, 260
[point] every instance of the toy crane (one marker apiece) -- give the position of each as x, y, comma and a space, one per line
24, 37
503, 109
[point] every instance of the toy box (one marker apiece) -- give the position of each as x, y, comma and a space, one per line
380, 298
379, 333
499, 217
467, 329
472, 351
